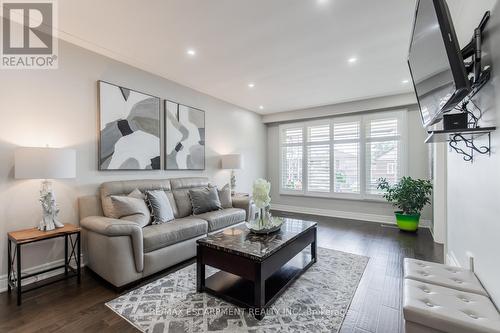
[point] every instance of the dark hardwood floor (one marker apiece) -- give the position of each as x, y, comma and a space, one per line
376, 307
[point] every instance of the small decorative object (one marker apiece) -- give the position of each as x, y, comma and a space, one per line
270, 225
232, 162
49, 208
410, 196
264, 223
185, 137
46, 163
129, 129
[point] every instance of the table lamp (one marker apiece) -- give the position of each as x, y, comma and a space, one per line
46, 164
232, 162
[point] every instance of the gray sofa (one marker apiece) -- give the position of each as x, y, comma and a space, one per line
121, 252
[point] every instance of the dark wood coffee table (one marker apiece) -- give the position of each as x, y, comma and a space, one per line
255, 269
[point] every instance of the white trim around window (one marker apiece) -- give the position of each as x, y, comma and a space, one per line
341, 157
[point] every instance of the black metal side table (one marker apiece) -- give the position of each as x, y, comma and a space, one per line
16, 239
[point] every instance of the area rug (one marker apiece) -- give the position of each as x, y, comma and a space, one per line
315, 302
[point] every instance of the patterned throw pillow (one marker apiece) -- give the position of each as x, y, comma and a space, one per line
160, 206
204, 200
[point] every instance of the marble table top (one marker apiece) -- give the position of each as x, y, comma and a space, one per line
239, 240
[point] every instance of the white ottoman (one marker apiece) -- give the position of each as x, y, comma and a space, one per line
431, 309
443, 275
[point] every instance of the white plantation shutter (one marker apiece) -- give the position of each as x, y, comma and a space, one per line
342, 156
318, 157
383, 154
291, 159
319, 133
291, 172
346, 141
293, 135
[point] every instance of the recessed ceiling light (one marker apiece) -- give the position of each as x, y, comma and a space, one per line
405, 81
261, 107
191, 52
322, 2
352, 60
251, 85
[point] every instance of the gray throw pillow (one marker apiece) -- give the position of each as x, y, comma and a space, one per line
131, 208
160, 206
225, 196
204, 200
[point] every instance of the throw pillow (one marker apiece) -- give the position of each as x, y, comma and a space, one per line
137, 194
160, 206
225, 196
131, 208
204, 200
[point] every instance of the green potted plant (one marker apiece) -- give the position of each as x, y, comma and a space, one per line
410, 196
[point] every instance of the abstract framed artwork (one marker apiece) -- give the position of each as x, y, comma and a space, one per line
129, 129
184, 137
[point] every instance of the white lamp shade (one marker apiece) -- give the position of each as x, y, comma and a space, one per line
233, 161
45, 163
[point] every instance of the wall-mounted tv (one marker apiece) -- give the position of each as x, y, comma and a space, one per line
435, 60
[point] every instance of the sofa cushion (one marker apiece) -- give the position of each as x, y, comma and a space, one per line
162, 235
180, 193
204, 200
188, 182
183, 202
223, 218
448, 310
443, 275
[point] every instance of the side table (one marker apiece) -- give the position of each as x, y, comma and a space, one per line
16, 239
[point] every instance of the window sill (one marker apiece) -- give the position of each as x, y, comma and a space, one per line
334, 197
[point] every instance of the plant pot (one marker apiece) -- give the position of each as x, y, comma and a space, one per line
407, 222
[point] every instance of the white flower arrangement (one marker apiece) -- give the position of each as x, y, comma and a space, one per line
265, 223
261, 189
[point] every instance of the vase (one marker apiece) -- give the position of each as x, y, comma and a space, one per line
407, 222
264, 216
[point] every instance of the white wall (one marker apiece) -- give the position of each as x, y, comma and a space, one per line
439, 195
474, 188
418, 167
60, 108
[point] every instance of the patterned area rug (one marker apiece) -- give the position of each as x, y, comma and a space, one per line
316, 302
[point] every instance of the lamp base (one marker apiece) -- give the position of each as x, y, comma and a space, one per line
233, 182
49, 208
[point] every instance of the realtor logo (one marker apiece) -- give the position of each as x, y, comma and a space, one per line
28, 35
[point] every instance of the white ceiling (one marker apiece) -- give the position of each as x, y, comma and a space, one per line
295, 51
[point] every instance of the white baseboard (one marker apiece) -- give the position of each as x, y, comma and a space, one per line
343, 214
3, 278
452, 260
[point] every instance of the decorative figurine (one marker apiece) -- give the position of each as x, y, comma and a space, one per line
49, 209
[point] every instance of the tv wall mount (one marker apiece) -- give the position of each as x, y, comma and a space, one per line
479, 76
473, 50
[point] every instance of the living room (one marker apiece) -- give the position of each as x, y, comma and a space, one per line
249, 166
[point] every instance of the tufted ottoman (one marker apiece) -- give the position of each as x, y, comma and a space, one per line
443, 275
439, 298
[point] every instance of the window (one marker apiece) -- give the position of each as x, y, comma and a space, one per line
342, 156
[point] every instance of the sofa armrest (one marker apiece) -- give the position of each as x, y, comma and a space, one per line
114, 228
244, 202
